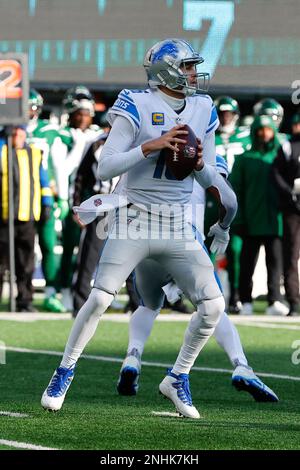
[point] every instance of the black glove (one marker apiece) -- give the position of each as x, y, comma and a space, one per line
45, 213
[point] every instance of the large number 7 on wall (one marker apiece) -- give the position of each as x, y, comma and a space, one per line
221, 15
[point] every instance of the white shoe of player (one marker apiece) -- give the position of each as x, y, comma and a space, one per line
54, 395
247, 309
128, 382
243, 378
176, 388
277, 308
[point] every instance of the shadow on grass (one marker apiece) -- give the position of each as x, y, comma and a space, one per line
231, 425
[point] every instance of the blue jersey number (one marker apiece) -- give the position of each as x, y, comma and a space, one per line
160, 165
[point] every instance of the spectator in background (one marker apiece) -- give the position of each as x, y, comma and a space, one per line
273, 109
32, 202
286, 172
44, 135
258, 220
2, 142
90, 246
76, 137
231, 140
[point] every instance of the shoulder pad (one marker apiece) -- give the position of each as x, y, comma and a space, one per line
242, 132
95, 128
136, 91
200, 95
125, 105
65, 132
49, 127
214, 120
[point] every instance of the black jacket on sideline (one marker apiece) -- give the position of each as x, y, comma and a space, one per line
87, 182
286, 168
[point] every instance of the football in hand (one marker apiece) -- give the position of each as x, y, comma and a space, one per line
182, 162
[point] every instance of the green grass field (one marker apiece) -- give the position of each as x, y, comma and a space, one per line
95, 417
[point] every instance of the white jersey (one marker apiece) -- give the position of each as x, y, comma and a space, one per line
198, 199
149, 181
225, 193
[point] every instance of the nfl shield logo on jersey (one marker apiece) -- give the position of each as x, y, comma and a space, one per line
98, 202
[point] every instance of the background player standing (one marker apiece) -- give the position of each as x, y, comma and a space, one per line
44, 135
76, 138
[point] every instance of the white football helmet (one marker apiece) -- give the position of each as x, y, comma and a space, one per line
165, 65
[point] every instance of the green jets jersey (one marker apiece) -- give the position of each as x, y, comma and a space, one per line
235, 144
67, 138
228, 147
42, 134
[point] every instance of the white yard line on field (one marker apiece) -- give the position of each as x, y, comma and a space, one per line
256, 321
165, 413
24, 445
265, 319
145, 363
32, 317
13, 415
268, 325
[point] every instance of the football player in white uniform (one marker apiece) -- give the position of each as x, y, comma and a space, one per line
152, 283
144, 123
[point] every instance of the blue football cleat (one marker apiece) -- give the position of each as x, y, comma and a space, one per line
128, 382
243, 378
54, 395
177, 389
